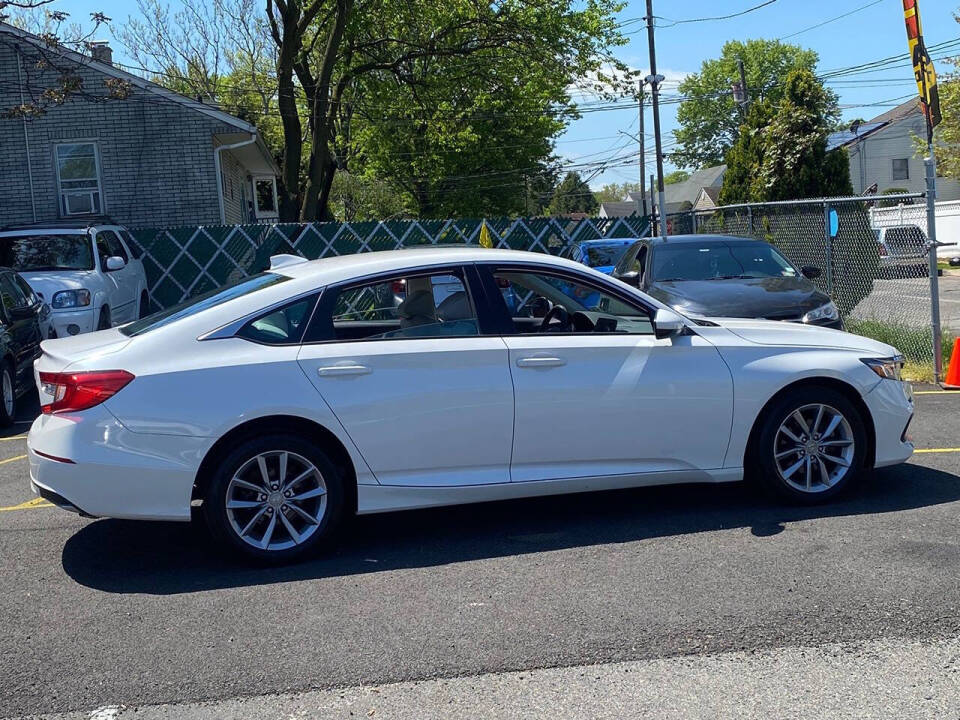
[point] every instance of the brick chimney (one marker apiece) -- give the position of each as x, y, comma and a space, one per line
101, 52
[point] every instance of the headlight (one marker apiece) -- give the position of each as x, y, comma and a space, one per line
70, 298
824, 312
888, 367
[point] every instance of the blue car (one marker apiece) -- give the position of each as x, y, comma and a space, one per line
602, 255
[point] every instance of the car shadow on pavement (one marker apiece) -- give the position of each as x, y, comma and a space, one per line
122, 556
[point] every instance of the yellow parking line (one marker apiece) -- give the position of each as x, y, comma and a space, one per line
937, 392
14, 437
28, 505
937, 450
9, 460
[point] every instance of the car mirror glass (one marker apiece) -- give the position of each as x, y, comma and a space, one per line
811, 272
115, 262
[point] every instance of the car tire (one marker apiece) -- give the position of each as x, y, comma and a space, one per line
8, 395
243, 509
104, 323
144, 305
811, 445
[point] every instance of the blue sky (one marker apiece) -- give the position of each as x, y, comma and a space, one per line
874, 32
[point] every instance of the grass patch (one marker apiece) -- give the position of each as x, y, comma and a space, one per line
916, 344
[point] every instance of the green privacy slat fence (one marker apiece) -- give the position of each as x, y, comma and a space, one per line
183, 262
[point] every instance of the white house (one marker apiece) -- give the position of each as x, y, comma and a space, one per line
883, 152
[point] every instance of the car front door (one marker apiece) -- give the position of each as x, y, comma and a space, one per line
596, 393
24, 327
122, 282
424, 395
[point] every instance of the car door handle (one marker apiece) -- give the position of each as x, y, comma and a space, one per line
346, 369
541, 362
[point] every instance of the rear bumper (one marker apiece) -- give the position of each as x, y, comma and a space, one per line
114, 472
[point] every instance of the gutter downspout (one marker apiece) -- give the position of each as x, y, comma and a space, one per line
216, 164
26, 141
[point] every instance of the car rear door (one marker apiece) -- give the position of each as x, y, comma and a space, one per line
426, 398
24, 327
591, 403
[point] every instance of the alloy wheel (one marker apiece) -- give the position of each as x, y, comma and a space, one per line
276, 500
814, 448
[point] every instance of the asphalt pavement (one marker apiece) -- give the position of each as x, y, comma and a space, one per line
653, 581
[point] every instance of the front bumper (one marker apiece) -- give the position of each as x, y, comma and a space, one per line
891, 405
84, 320
114, 472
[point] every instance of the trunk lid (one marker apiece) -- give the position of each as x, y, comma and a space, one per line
61, 353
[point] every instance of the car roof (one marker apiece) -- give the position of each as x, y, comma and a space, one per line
345, 267
59, 227
705, 240
606, 241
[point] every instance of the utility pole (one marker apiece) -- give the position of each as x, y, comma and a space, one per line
655, 81
930, 165
744, 98
653, 209
643, 172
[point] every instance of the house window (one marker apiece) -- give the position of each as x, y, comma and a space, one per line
265, 196
901, 169
78, 178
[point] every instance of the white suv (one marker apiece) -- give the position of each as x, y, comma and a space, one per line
88, 274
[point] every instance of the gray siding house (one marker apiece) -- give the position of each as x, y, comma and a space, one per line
882, 152
120, 146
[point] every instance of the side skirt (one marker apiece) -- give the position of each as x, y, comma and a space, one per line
386, 498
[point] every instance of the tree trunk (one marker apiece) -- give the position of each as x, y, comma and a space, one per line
290, 119
321, 166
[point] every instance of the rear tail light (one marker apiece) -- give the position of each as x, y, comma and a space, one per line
69, 392
883, 251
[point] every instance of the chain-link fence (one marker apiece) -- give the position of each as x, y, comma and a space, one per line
874, 261
183, 262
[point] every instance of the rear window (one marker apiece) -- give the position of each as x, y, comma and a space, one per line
31, 253
202, 302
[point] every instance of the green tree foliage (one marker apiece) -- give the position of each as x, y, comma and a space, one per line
677, 176
709, 118
781, 153
615, 192
573, 195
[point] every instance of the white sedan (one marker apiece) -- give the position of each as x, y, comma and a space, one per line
277, 405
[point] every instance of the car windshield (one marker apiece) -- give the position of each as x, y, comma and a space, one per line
31, 253
202, 302
716, 261
603, 255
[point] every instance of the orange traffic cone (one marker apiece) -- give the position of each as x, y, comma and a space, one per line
952, 381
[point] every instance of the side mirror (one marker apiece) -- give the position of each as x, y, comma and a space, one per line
630, 278
810, 272
666, 323
115, 262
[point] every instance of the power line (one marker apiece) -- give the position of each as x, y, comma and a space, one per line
827, 22
718, 17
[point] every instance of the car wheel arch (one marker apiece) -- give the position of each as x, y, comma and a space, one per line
846, 389
293, 424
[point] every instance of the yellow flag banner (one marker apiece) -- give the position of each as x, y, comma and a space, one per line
922, 64
485, 239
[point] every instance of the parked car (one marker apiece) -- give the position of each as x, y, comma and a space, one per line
21, 314
602, 255
903, 251
272, 411
726, 276
88, 274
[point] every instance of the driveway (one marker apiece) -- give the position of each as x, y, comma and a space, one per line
656, 596
908, 302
